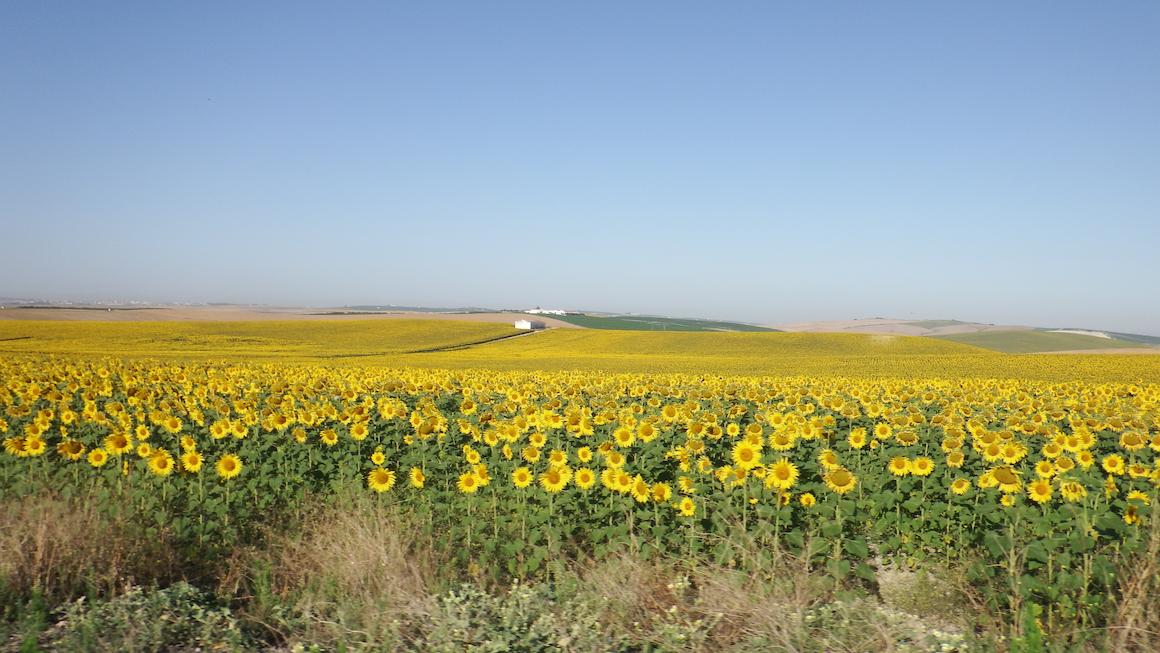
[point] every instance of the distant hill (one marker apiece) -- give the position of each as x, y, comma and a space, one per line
1025, 342
656, 323
1012, 339
898, 327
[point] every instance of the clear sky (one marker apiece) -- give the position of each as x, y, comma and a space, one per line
766, 161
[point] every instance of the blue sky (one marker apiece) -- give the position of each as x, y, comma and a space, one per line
769, 162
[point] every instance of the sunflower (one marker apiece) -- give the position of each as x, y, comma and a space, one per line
687, 507
704, 465
1138, 470
1008, 500
98, 457
746, 456
641, 490
380, 480
781, 475
418, 478
522, 477
14, 446
481, 474
807, 499
782, 441
857, 438
34, 446
624, 437
1072, 491
907, 437
661, 492
828, 459
882, 430
118, 443
378, 458
608, 479
171, 424
899, 466
840, 480
623, 481
585, 478
1085, 459
921, 466
531, 454
955, 459
144, 450
1040, 491
1113, 464
615, 459
1007, 479
950, 444
554, 479
279, 421
187, 443
960, 486
490, 438
584, 454
191, 462
229, 466
468, 483
1013, 453
557, 458
1132, 515
1136, 495
161, 463
359, 431
686, 485
1132, 441
471, 455
329, 437
537, 440
71, 449
1044, 469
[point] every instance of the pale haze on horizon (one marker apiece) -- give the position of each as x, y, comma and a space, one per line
764, 162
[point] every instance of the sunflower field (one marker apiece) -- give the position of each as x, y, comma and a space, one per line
1038, 487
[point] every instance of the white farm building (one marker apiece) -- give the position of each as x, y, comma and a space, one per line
529, 325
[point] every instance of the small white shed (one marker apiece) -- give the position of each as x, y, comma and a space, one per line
529, 325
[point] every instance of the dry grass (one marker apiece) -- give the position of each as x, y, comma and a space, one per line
62, 550
782, 606
1135, 623
352, 573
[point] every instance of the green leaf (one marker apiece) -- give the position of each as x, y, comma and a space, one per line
839, 569
865, 572
1081, 543
795, 539
858, 549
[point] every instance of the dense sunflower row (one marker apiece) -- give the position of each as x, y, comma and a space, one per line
1019, 438
867, 467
